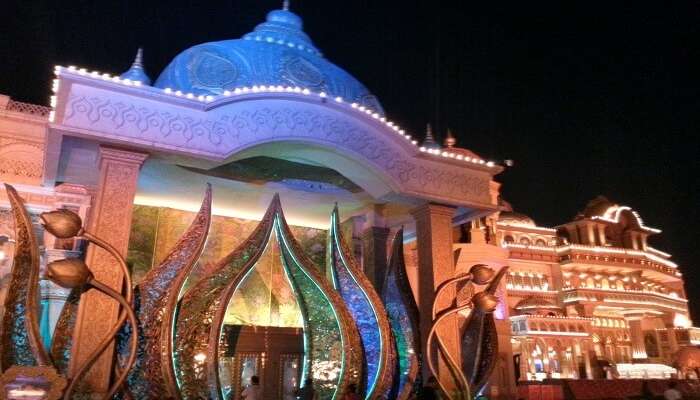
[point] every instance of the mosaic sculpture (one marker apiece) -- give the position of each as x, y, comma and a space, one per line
19, 335
331, 339
170, 342
367, 310
156, 300
403, 315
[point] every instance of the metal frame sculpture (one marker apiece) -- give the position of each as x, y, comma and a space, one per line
480, 344
367, 310
327, 322
403, 316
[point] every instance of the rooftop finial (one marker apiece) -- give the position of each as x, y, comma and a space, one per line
450, 140
138, 61
429, 140
285, 5
136, 72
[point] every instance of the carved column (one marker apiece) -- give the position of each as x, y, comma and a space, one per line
435, 265
637, 335
374, 254
110, 220
587, 359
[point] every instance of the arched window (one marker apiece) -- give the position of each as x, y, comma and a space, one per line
508, 239
524, 240
590, 283
540, 242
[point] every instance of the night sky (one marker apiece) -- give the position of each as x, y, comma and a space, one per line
587, 98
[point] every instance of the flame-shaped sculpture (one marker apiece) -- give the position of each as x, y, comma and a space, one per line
20, 340
403, 315
156, 299
62, 341
327, 323
367, 310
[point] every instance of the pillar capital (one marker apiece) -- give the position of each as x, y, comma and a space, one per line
433, 209
115, 154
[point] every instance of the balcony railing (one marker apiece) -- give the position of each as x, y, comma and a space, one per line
632, 297
599, 254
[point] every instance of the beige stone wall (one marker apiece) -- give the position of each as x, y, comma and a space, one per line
22, 141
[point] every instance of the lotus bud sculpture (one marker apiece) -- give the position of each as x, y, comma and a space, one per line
69, 273
64, 224
485, 302
481, 274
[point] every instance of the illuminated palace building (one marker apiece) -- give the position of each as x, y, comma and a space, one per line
285, 287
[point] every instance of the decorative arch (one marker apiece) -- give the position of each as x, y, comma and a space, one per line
211, 133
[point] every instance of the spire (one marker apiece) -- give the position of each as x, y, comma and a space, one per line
285, 5
450, 140
429, 140
138, 61
136, 72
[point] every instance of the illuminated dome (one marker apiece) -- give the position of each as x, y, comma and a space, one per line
596, 207
514, 218
276, 53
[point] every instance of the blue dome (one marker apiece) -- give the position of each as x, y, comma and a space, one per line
277, 52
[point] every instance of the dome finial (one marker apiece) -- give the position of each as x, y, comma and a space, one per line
450, 140
138, 61
136, 72
285, 5
429, 140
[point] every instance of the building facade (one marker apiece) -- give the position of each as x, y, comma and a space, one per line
587, 299
266, 114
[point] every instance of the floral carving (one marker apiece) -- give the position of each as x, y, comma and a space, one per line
221, 134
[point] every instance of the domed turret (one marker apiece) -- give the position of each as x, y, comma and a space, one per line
514, 218
277, 53
596, 207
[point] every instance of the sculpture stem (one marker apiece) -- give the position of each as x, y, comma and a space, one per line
134, 339
109, 337
461, 379
454, 368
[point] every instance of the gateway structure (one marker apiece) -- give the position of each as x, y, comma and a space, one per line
267, 114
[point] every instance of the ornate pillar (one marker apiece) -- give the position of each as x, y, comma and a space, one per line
524, 360
590, 234
637, 335
110, 220
374, 254
601, 235
587, 359
435, 265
